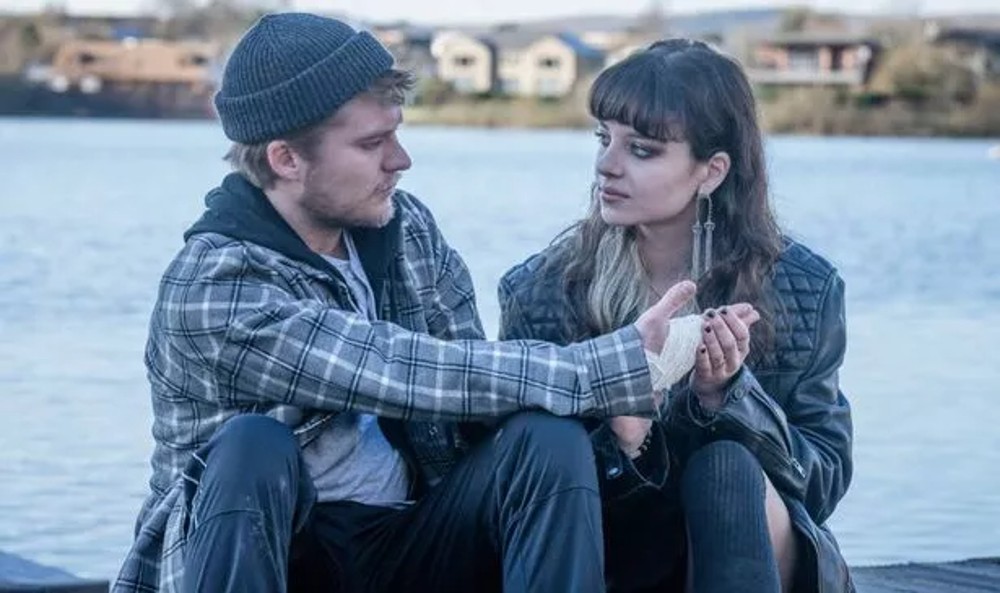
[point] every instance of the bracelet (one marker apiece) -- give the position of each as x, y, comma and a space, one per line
643, 446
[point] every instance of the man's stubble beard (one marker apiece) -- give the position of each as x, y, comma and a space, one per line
336, 221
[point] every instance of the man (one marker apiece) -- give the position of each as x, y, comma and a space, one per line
315, 357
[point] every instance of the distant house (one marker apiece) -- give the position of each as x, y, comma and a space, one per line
136, 62
95, 26
546, 65
623, 51
13, 54
465, 61
514, 65
410, 45
27, 39
813, 59
177, 76
515, 62
979, 48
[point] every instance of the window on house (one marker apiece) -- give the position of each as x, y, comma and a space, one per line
464, 61
194, 60
837, 59
548, 63
464, 85
803, 59
509, 86
87, 58
549, 87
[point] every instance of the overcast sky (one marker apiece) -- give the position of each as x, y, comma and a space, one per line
445, 11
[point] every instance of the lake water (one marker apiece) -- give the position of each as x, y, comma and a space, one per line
91, 212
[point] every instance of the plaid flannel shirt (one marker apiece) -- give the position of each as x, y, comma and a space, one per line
241, 328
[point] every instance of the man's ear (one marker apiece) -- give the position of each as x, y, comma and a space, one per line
716, 169
286, 163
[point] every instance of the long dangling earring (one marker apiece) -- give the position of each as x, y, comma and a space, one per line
701, 253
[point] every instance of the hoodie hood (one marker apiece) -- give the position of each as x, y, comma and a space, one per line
240, 210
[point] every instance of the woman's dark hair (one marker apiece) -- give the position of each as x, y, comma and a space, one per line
684, 90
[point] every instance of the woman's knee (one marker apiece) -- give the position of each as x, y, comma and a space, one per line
721, 464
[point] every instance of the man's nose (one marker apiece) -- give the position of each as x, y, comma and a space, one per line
399, 159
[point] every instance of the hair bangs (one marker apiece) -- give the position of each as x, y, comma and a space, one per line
638, 92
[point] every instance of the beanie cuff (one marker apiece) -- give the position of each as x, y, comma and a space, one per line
309, 97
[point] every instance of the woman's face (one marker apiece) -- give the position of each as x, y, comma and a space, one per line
643, 181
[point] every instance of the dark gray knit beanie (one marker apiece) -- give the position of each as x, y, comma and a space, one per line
291, 70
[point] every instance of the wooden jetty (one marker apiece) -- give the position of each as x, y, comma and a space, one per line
18, 575
968, 576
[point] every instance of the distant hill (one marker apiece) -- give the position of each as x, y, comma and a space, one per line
699, 23
753, 21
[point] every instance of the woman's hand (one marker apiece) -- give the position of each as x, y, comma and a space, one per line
725, 345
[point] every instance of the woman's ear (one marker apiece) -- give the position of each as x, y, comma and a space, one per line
716, 169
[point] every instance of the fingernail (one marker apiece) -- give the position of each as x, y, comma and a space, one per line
703, 350
708, 330
710, 314
723, 311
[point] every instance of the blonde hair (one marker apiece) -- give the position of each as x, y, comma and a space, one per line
618, 292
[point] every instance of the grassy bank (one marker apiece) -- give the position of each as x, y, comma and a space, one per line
828, 112
500, 113
799, 111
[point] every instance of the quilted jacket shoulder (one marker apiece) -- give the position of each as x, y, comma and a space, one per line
801, 279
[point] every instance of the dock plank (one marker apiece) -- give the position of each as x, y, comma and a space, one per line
968, 576
18, 575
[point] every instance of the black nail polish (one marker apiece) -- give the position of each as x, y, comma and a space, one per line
710, 314
724, 311
708, 330
702, 349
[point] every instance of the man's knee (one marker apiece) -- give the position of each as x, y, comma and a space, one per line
548, 445
544, 431
252, 462
253, 444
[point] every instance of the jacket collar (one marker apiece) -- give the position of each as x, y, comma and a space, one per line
240, 210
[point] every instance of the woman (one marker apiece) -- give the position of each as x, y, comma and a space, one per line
730, 488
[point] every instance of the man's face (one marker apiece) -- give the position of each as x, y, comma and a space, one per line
351, 177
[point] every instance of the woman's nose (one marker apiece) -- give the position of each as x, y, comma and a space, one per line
608, 163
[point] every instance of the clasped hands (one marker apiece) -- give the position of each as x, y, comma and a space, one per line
725, 345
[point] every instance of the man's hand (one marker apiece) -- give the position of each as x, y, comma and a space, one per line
631, 432
653, 324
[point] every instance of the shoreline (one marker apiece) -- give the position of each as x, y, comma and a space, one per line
493, 119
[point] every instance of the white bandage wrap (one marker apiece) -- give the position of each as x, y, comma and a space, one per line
678, 354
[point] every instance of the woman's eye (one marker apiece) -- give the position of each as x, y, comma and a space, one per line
641, 151
602, 137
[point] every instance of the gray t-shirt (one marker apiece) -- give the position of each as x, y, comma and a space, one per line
351, 459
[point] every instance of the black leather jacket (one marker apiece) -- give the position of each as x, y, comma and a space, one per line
786, 408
